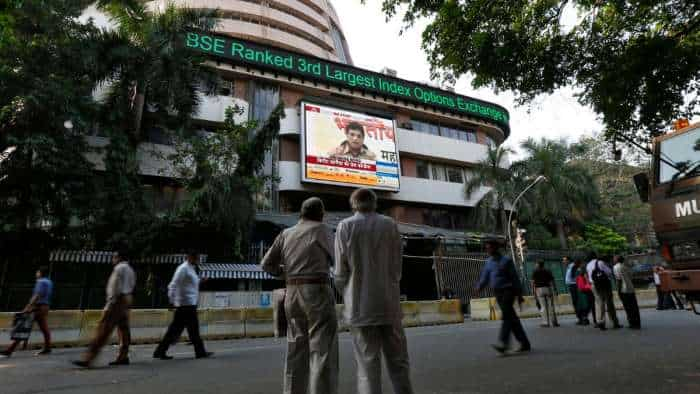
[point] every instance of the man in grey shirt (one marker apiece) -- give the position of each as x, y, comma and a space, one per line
303, 255
368, 271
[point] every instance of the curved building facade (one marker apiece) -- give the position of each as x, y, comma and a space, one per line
308, 26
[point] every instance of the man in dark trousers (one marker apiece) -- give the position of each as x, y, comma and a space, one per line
183, 292
499, 273
39, 306
570, 280
625, 290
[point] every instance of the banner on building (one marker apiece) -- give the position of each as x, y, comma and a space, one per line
348, 148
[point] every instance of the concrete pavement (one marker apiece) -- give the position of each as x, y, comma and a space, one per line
664, 357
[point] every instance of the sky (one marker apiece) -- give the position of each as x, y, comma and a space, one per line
375, 43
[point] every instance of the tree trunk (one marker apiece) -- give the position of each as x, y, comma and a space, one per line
561, 234
138, 114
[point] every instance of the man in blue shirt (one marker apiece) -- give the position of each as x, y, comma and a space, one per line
570, 280
499, 273
39, 306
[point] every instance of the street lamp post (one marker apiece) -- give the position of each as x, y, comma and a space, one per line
510, 217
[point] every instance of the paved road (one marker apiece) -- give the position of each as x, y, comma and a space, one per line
662, 358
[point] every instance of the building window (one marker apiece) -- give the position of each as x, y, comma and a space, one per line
160, 136
454, 174
422, 169
226, 88
265, 99
425, 127
444, 131
338, 43
439, 172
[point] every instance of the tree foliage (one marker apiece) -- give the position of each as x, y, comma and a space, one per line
635, 62
56, 68
493, 173
603, 240
222, 173
620, 206
47, 73
569, 192
569, 195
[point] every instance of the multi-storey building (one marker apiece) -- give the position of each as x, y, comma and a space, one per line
418, 146
439, 135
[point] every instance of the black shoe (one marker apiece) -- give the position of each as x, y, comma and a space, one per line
602, 327
205, 355
43, 352
617, 327
124, 361
5, 353
635, 327
81, 363
162, 356
500, 348
556, 324
524, 349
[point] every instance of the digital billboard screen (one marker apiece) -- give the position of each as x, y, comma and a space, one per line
349, 148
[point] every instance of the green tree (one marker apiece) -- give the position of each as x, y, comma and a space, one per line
47, 74
222, 176
569, 193
154, 78
151, 81
634, 62
603, 240
492, 172
620, 206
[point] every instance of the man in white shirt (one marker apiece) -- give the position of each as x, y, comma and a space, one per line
368, 273
120, 287
183, 292
625, 290
600, 276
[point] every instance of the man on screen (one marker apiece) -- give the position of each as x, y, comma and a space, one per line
354, 144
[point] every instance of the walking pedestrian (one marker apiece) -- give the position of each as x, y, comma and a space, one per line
625, 290
600, 276
183, 292
368, 250
499, 273
570, 281
120, 287
586, 290
543, 283
303, 256
38, 306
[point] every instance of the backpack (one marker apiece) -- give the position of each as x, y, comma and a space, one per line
600, 278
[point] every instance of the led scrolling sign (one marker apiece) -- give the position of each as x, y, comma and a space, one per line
313, 68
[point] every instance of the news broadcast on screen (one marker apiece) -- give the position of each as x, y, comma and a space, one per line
349, 148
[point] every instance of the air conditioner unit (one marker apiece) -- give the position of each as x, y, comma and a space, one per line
389, 71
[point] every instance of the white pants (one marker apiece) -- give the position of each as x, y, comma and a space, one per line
370, 342
312, 340
547, 309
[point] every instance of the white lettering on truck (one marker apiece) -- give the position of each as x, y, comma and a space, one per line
687, 208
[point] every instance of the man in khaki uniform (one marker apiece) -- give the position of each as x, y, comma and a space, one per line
303, 255
368, 271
